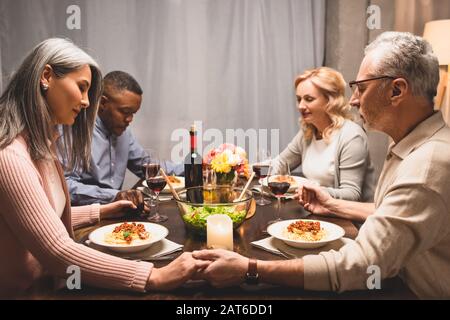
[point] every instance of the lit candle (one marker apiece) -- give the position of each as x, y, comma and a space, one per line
219, 232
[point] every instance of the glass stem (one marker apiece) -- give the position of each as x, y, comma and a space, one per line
157, 205
279, 207
261, 193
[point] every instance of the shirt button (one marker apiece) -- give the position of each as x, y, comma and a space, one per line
112, 164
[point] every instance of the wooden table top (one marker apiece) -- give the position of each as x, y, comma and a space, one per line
249, 231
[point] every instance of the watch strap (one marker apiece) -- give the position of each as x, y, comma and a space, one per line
252, 272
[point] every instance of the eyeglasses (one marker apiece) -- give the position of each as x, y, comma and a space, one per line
355, 84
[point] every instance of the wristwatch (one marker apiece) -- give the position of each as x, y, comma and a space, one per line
251, 277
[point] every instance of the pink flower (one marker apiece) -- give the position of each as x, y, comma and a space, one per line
237, 157
226, 146
209, 156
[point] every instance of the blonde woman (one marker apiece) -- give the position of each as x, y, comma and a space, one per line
330, 147
58, 84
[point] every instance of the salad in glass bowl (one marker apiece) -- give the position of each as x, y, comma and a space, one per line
196, 204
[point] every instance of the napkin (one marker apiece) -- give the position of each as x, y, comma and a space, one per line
278, 247
164, 198
160, 250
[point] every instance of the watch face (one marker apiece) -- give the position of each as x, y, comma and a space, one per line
251, 278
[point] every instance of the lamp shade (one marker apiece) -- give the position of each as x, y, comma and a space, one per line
437, 33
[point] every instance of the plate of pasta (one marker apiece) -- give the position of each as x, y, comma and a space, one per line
128, 236
305, 233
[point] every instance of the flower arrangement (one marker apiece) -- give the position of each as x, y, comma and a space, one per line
226, 160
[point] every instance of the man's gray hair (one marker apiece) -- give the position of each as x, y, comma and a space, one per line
402, 54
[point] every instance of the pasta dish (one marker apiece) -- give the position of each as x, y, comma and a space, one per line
305, 231
174, 179
126, 233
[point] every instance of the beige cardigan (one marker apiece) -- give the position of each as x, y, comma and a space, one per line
35, 241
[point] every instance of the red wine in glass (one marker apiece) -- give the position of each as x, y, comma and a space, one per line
156, 184
261, 170
279, 188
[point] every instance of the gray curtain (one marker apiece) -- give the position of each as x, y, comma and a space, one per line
411, 15
346, 38
228, 63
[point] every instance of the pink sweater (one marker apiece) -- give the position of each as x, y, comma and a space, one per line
35, 241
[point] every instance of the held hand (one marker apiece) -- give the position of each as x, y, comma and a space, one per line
135, 196
227, 268
314, 199
176, 273
116, 209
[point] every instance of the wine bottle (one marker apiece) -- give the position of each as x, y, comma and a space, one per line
193, 172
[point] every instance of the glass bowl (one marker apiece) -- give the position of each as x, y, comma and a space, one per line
197, 203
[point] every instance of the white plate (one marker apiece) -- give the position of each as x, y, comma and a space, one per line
333, 232
157, 233
176, 186
294, 186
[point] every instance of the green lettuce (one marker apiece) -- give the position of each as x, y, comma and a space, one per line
196, 216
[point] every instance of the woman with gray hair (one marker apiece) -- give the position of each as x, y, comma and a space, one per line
58, 84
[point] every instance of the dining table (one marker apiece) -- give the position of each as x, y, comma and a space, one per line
251, 229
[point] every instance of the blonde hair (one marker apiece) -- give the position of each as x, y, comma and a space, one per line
331, 85
23, 107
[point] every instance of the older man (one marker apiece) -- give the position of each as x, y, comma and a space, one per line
407, 231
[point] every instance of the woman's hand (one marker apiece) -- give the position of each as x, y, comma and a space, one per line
314, 199
176, 273
116, 209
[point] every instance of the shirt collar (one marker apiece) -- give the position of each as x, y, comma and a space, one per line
420, 134
101, 126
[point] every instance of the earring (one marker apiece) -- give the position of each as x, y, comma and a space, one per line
44, 86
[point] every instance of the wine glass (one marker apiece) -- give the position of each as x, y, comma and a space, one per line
209, 183
150, 202
279, 184
261, 169
209, 177
155, 182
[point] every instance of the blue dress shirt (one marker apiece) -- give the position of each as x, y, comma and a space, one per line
110, 157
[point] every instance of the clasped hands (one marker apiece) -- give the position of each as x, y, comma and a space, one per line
221, 268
